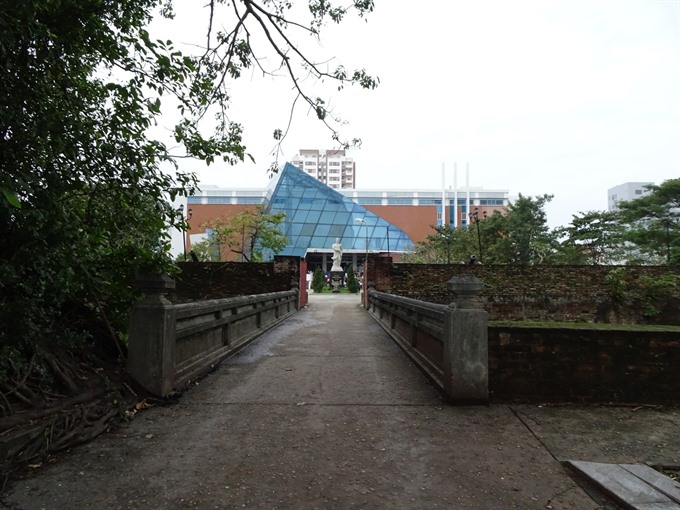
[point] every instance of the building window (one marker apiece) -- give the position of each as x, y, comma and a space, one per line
369, 201
638, 192
399, 201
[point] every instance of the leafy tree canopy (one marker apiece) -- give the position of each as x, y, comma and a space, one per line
594, 237
653, 223
250, 234
644, 231
447, 245
520, 235
86, 190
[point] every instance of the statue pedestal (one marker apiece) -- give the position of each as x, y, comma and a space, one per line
337, 280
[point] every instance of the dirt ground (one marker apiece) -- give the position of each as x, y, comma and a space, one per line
326, 412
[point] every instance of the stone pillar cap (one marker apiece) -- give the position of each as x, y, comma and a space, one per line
154, 283
465, 287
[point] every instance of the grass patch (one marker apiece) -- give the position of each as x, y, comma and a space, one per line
674, 474
585, 325
343, 290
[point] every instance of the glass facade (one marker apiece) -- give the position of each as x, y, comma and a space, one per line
317, 215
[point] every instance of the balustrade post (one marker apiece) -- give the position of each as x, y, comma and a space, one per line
370, 288
151, 343
466, 346
298, 296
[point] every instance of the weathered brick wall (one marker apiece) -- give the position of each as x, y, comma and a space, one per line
553, 293
585, 365
214, 280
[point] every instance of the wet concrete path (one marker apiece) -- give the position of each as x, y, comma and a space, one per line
322, 412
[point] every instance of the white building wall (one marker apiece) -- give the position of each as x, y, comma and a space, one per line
625, 192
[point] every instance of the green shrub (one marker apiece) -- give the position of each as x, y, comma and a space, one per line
616, 284
352, 282
656, 290
318, 281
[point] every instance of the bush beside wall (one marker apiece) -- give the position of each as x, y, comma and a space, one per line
214, 280
613, 294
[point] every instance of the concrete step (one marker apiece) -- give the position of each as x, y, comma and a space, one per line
633, 486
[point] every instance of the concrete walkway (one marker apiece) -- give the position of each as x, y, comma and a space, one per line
326, 412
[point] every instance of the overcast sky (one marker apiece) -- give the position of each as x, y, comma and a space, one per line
567, 98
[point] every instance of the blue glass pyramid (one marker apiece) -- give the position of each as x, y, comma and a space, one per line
316, 215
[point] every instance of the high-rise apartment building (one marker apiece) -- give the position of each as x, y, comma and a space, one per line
625, 193
332, 167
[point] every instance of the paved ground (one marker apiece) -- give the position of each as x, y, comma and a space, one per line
325, 412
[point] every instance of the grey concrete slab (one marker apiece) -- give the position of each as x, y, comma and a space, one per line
660, 482
624, 486
656, 506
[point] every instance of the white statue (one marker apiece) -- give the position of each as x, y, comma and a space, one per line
337, 255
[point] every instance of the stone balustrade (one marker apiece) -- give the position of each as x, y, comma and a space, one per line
448, 343
170, 344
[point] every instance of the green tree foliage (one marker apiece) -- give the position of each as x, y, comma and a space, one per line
251, 234
352, 281
86, 190
594, 237
644, 231
447, 245
205, 251
520, 236
318, 280
653, 224
85, 203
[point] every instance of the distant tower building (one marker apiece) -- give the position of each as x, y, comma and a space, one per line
626, 192
332, 167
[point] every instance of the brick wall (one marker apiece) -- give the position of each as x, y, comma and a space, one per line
550, 293
214, 280
584, 365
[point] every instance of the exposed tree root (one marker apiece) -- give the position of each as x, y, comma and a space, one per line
60, 372
25, 418
55, 432
58, 401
